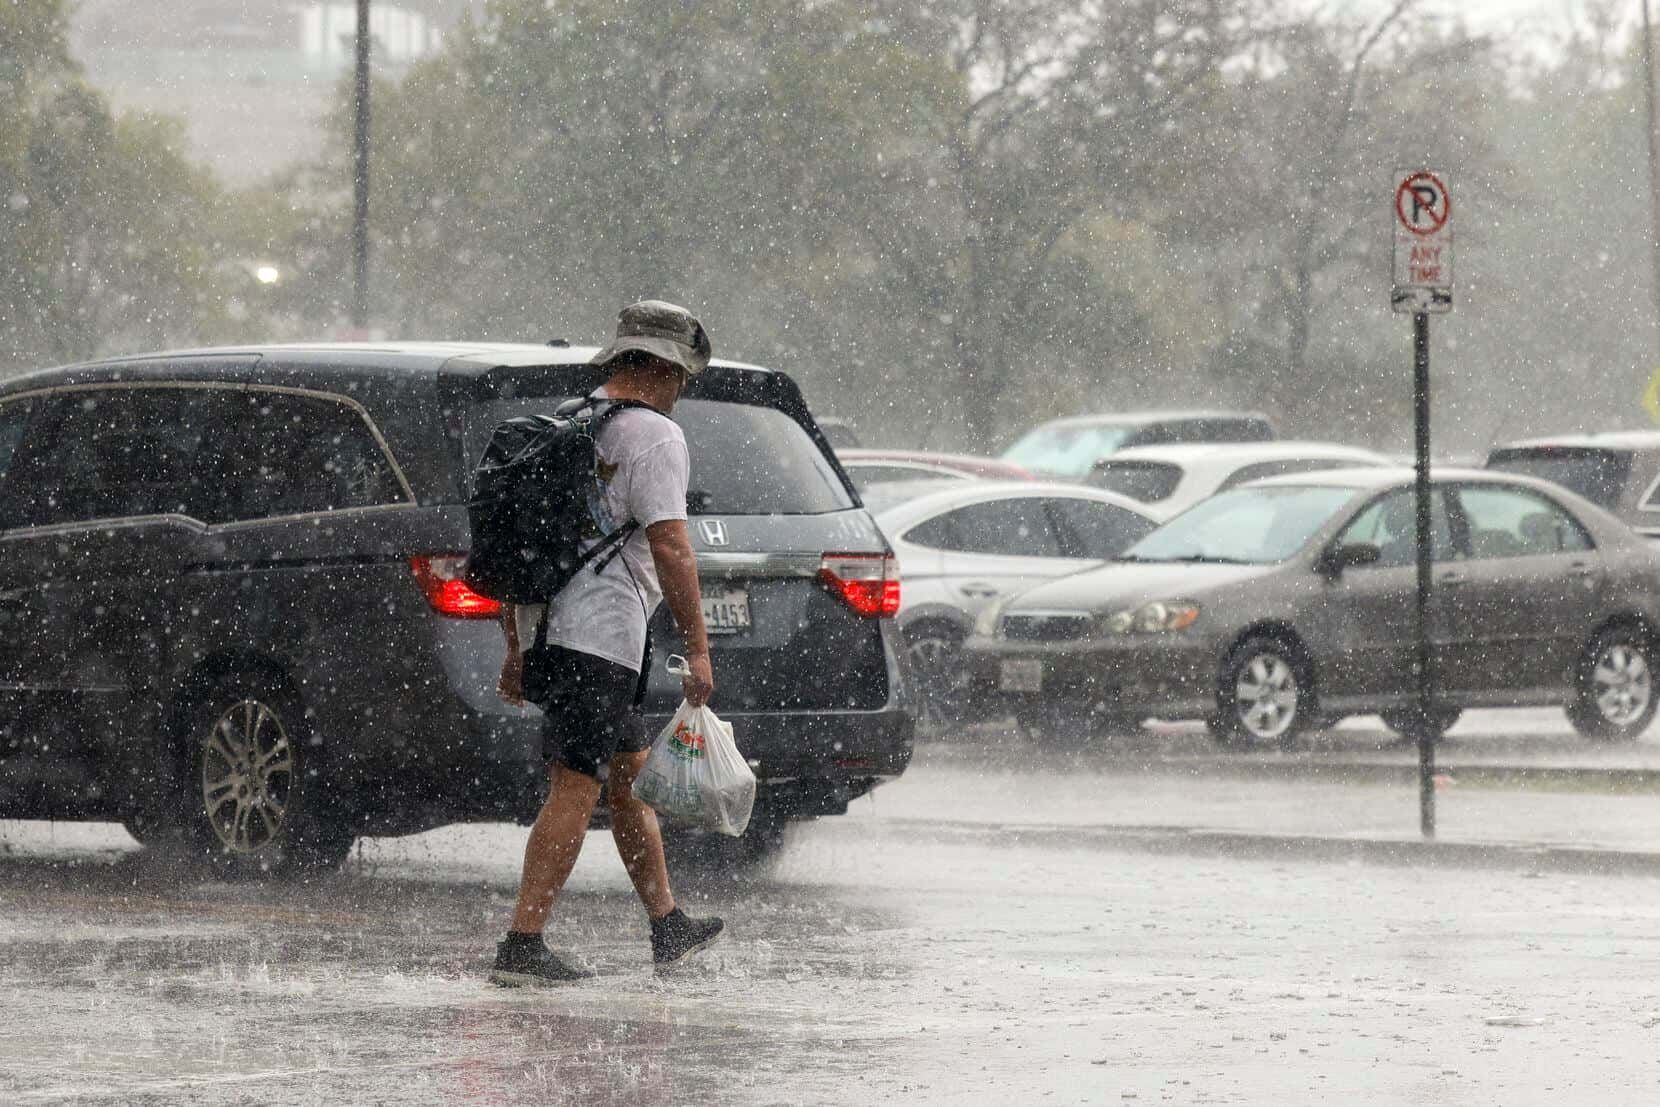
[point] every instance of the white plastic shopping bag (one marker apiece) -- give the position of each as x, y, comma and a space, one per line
696, 775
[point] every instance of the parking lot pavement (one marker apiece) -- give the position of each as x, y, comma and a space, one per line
1521, 779
913, 952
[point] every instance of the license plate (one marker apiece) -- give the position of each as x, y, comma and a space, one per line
1022, 675
726, 611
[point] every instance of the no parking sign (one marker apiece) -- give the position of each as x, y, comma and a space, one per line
1423, 243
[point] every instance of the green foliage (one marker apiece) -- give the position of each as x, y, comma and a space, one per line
949, 218
877, 190
104, 225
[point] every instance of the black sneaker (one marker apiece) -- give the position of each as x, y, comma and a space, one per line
519, 964
676, 936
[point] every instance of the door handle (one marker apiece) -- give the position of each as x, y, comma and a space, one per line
980, 590
1579, 568
1451, 577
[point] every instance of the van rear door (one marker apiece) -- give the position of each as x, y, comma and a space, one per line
774, 521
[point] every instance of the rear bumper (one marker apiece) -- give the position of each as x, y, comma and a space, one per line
1177, 680
489, 766
432, 743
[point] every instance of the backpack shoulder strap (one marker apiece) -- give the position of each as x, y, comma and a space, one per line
603, 409
610, 545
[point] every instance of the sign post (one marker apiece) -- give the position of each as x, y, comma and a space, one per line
1422, 223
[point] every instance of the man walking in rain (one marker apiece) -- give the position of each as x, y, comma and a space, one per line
596, 633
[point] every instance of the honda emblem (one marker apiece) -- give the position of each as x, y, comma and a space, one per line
714, 532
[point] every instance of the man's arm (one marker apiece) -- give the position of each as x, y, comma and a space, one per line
671, 551
511, 684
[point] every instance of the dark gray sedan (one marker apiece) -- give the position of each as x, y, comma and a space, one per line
1289, 603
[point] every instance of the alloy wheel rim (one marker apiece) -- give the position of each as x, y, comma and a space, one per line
1265, 696
1623, 684
931, 659
247, 776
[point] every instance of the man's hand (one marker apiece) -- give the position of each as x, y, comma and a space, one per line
699, 684
511, 684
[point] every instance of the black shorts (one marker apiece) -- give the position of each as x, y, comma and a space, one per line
592, 712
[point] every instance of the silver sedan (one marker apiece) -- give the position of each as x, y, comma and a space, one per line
964, 544
1288, 602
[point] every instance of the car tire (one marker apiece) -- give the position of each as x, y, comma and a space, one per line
704, 854
933, 654
1266, 699
1410, 722
1614, 686
250, 803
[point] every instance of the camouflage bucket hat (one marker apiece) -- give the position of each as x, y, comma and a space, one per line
664, 330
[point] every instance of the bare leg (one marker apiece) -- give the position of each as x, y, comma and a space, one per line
639, 841
555, 841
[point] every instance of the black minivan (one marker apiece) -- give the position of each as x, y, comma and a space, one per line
232, 612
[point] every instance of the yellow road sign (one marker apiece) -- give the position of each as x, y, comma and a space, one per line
1651, 396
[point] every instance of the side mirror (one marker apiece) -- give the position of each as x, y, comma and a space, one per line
1350, 555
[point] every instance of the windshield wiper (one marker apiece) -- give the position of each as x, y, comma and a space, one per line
1190, 559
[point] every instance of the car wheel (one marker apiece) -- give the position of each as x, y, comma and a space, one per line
1267, 696
1410, 722
250, 805
1614, 693
933, 652
705, 854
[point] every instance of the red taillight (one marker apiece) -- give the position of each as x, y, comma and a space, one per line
440, 578
868, 582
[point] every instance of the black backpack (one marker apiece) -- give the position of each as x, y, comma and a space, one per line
529, 509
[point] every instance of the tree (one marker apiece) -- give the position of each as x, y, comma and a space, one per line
1295, 211
896, 188
555, 160
105, 228
1060, 113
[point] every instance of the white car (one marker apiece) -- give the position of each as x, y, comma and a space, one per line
1164, 481
964, 544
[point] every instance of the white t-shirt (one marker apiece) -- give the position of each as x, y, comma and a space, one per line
643, 469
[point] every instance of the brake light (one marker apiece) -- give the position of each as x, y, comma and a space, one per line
868, 582
440, 579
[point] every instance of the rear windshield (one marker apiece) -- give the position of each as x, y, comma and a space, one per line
1066, 450
1598, 475
746, 460
1146, 481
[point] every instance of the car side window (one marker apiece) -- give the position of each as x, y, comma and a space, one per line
937, 533
1146, 481
115, 453
295, 455
1015, 527
1098, 531
1254, 472
1514, 522
1282, 467
1391, 524
14, 421
1188, 430
14, 424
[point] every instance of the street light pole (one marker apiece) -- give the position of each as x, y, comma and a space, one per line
360, 175
1653, 158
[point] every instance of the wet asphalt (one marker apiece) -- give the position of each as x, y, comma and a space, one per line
1010, 923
